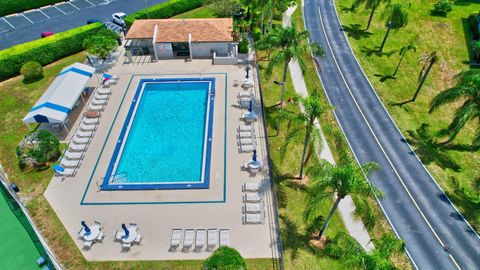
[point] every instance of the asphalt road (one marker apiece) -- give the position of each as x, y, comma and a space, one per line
436, 234
19, 28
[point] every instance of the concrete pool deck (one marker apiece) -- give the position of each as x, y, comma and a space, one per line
157, 212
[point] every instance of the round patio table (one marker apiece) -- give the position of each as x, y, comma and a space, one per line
94, 233
131, 237
255, 165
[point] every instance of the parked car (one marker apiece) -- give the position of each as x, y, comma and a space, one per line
90, 21
118, 17
46, 34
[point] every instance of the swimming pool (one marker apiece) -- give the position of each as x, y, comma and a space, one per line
165, 142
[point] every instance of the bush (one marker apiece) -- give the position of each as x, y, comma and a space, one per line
37, 148
45, 50
32, 71
243, 45
14, 6
442, 7
164, 10
99, 45
225, 258
257, 33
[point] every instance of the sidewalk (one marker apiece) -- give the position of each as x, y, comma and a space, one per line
355, 228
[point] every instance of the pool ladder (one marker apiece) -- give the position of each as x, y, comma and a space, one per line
119, 176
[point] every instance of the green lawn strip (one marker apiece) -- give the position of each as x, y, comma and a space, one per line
446, 36
201, 12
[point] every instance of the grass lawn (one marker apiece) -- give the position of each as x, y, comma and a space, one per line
446, 36
201, 12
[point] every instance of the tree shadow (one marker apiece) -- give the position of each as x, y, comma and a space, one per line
384, 78
428, 149
356, 31
461, 147
375, 51
347, 9
291, 239
464, 2
468, 200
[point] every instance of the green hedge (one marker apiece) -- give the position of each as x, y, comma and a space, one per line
164, 10
45, 50
14, 6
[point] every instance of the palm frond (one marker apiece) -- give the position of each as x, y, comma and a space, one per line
448, 96
462, 115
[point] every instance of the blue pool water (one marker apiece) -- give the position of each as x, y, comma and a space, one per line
164, 137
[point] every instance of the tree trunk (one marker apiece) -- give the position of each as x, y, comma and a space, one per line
370, 18
398, 65
305, 144
385, 38
262, 18
422, 81
271, 14
284, 81
327, 220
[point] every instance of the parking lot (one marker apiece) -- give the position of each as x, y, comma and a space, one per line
30, 17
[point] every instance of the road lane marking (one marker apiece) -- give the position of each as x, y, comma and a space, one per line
8, 23
376, 139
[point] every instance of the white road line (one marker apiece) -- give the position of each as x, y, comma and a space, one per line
73, 5
59, 9
90, 3
376, 139
26, 17
8, 23
44, 13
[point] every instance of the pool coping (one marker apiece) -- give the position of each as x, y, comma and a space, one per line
223, 200
129, 120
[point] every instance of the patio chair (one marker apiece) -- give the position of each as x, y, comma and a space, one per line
126, 246
253, 207
73, 147
138, 239
246, 141
104, 91
85, 127
98, 101
67, 172
258, 218
249, 117
247, 148
84, 134
100, 236
133, 226
90, 121
188, 239
118, 235
243, 128
200, 239
244, 102
81, 233
246, 134
67, 163
244, 94
97, 223
211, 239
252, 197
87, 245
99, 96
95, 107
251, 187
224, 237
81, 140
72, 155
176, 239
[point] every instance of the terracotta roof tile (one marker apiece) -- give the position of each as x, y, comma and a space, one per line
177, 30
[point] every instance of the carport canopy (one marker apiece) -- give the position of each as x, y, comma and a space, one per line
61, 96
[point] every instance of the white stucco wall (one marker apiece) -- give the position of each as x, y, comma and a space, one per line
204, 50
164, 50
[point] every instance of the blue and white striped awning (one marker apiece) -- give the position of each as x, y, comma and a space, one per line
61, 96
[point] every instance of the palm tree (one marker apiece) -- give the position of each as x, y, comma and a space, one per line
291, 45
369, 4
269, 42
312, 109
328, 180
428, 61
346, 248
409, 47
467, 90
396, 18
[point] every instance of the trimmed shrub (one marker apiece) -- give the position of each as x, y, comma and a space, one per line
37, 148
164, 10
14, 6
257, 33
32, 71
243, 46
442, 7
45, 50
225, 258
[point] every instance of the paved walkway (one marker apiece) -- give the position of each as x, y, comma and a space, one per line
355, 227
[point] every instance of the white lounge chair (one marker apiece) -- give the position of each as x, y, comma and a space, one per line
245, 94
200, 239
249, 117
90, 121
126, 246
72, 155
253, 207
104, 91
246, 134
67, 172
243, 128
95, 107
138, 239
252, 197
67, 163
73, 147
251, 187
247, 148
81, 140
224, 237
84, 127
188, 240
84, 134
87, 245
100, 236
211, 238
100, 96
258, 218
244, 102
98, 101
176, 239
118, 235
245, 141
247, 83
